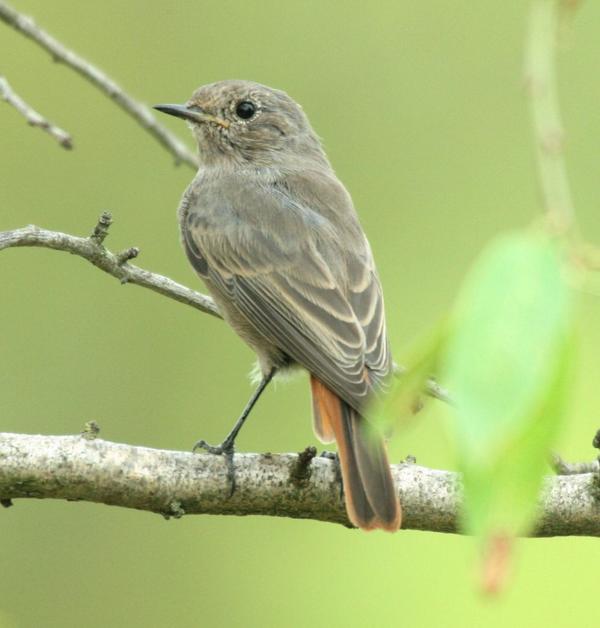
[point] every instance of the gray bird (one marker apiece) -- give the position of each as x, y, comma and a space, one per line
275, 237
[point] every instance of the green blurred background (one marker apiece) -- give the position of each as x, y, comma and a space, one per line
421, 111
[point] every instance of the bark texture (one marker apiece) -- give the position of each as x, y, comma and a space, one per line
299, 486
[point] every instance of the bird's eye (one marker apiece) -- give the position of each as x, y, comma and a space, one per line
245, 109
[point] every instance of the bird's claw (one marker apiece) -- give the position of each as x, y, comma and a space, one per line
225, 448
334, 456
330, 455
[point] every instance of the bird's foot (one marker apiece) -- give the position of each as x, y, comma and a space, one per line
226, 449
330, 455
334, 456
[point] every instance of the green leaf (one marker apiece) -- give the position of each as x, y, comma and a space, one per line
406, 392
506, 364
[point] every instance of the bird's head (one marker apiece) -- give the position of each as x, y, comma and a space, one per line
245, 124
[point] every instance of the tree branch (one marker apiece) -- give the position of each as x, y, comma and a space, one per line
173, 483
137, 110
116, 265
32, 116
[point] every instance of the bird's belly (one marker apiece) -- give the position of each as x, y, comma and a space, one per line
269, 355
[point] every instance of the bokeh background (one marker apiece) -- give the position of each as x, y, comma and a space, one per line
421, 110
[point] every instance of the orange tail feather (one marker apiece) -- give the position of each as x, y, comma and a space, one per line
370, 493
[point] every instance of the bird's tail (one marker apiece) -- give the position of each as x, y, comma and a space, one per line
371, 498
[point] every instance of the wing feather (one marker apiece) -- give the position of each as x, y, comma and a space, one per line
316, 296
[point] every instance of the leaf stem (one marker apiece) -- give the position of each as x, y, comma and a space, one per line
541, 84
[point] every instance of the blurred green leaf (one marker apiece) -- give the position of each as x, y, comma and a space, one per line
405, 397
507, 364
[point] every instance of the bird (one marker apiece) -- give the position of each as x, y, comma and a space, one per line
273, 233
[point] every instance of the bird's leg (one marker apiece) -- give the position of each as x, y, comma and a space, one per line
226, 447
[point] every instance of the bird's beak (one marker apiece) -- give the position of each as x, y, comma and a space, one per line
192, 113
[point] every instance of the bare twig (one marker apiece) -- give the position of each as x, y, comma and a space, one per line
137, 110
433, 389
32, 116
116, 265
174, 483
574, 468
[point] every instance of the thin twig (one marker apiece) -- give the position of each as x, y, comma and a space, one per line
175, 483
540, 81
137, 110
116, 265
433, 389
574, 468
32, 116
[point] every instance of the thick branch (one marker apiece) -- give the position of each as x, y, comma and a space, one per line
137, 110
174, 483
32, 116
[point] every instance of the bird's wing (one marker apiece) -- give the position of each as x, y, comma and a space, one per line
274, 271
366, 299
